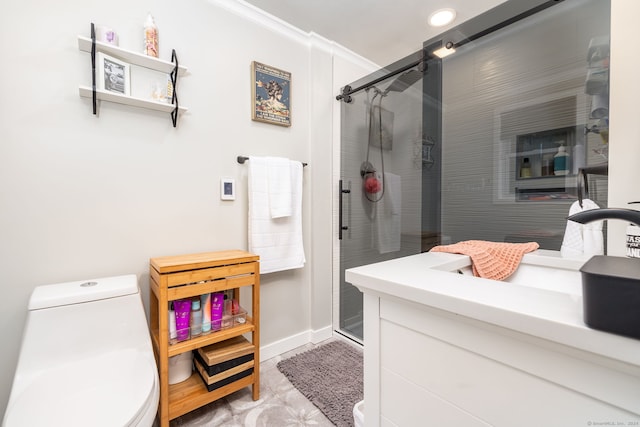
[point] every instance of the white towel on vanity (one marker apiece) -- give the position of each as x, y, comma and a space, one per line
388, 214
582, 239
278, 241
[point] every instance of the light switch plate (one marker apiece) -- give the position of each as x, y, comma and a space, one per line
227, 189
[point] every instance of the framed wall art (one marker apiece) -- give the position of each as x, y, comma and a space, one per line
271, 95
112, 74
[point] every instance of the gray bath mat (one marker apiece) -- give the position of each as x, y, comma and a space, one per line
330, 376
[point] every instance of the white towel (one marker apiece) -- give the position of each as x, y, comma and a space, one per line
279, 182
582, 239
278, 241
388, 215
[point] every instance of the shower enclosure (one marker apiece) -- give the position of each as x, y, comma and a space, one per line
436, 151
380, 188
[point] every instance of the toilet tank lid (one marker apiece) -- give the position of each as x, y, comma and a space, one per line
82, 291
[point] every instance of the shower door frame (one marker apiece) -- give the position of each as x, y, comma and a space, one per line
411, 61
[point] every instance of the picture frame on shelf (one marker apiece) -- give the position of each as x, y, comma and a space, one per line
270, 94
113, 75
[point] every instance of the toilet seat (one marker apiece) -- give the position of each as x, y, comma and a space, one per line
87, 391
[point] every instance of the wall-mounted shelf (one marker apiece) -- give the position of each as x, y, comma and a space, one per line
87, 92
91, 45
135, 58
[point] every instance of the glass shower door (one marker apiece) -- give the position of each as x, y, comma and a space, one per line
380, 175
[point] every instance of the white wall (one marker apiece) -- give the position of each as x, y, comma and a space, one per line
86, 196
624, 132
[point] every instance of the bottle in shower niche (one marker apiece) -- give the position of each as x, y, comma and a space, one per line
196, 318
561, 161
525, 168
150, 37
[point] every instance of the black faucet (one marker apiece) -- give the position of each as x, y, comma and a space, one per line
629, 215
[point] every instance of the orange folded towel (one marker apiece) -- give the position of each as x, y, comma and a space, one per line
491, 260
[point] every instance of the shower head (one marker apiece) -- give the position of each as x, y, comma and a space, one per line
402, 83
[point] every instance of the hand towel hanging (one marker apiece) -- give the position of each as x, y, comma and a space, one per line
582, 239
280, 189
278, 241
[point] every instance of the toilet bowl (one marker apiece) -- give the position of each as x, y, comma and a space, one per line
86, 358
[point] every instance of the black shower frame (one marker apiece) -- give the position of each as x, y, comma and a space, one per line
430, 65
486, 23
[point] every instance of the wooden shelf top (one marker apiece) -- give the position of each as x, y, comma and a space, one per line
171, 264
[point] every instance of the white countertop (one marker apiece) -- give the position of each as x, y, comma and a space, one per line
552, 315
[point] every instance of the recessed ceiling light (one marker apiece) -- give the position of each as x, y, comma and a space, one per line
442, 17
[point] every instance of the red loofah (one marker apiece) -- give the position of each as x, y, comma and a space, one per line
372, 185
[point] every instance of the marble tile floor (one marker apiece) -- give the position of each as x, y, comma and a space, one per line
280, 403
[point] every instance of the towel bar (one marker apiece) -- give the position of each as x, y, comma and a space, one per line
242, 159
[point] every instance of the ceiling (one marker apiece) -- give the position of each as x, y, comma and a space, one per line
382, 31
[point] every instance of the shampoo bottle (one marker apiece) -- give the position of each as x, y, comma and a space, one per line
217, 308
150, 37
172, 324
196, 318
182, 310
525, 168
205, 302
561, 161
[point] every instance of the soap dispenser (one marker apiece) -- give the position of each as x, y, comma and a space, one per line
561, 161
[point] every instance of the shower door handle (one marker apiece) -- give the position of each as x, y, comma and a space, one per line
341, 227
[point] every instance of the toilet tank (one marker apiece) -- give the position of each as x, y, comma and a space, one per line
74, 320
61, 294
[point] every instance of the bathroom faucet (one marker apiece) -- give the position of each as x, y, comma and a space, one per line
629, 215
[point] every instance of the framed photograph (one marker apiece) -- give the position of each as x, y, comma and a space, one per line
271, 95
112, 74
227, 189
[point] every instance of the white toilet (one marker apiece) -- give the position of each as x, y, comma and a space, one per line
86, 358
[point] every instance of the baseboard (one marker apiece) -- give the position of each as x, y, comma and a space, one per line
322, 334
294, 341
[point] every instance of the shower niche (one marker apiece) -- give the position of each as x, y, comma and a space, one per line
536, 152
540, 149
546, 164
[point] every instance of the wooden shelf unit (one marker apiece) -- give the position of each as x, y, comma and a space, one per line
186, 276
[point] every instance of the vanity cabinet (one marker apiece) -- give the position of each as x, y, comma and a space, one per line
187, 276
172, 68
451, 349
